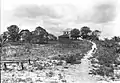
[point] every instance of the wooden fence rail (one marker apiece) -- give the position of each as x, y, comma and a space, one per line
19, 62
15, 61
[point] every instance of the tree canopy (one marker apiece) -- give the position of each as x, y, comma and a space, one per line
85, 32
39, 35
25, 35
75, 33
95, 35
13, 31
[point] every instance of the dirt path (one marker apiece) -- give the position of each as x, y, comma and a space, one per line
85, 66
80, 74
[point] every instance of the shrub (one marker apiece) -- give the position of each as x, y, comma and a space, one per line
105, 59
70, 58
50, 74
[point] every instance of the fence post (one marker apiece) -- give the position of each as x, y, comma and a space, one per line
29, 62
4, 66
22, 66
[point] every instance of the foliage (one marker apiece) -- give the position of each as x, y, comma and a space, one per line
6, 36
85, 32
105, 60
40, 35
51, 37
75, 33
116, 39
50, 74
25, 35
70, 58
34, 51
13, 32
95, 35
40, 31
108, 43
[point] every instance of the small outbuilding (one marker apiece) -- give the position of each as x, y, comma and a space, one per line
64, 39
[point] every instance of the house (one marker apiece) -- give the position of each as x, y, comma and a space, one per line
65, 38
67, 32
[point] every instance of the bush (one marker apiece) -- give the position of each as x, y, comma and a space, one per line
70, 58
50, 74
105, 59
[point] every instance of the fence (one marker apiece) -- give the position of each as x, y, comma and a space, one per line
18, 62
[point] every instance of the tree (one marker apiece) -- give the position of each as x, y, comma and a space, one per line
52, 37
85, 32
95, 35
13, 31
25, 35
6, 36
40, 31
75, 33
116, 39
40, 35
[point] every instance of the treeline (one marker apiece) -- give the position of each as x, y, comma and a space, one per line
85, 33
40, 35
14, 34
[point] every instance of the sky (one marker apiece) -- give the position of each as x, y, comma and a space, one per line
57, 15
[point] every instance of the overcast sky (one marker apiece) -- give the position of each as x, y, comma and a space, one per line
57, 15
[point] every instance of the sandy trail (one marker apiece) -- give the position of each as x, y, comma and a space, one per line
80, 74
85, 66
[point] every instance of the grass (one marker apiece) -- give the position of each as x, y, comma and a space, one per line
70, 58
28, 51
42, 70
